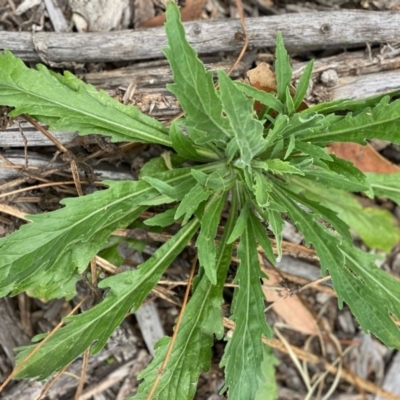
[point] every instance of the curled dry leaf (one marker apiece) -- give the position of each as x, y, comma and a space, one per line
365, 158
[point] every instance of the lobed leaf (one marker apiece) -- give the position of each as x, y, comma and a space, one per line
193, 86
373, 295
268, 389
191, 202
47, 255
277, 166
202, 320
276, 225
379, 122
376, 227
186, 148
350, 104
325, 242
283, 70
126, 293
67, 103
248, 130
385, 185
205, 242
267, 99
303, 84
244, 351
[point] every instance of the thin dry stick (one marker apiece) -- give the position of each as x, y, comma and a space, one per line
85, 362
296, 291
107, 266
239, 6
174, 336
93, 270
311, 358
15, 212
295, 359
86, 354
39, 346
43, 185
62, 148
46, 133
51, 383
239, 57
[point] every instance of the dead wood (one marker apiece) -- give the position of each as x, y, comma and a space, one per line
300, 31
359, 74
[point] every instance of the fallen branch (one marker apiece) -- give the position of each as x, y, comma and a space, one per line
300, 31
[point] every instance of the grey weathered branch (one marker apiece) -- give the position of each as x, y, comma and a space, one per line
305, 31
359, 75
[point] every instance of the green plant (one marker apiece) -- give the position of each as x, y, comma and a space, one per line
265, 167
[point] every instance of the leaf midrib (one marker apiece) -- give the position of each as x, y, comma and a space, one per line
118, 127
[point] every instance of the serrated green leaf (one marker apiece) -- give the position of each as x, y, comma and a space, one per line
153, 167
186, 148
276, 225
300, 125
110, 250
277, 166
261, 189
176, 192
262, 238
327, 214
379, 122
220, 180
377, 228
268, 389
325, 242
47, 255
66, 103
127, 292
347, 169
290, 147
312, 150
248, 130
304, 82
357, 286
332, 180
205, 242
196, 195
193, 86
164, 219
283, 70
289, 102
385, 185
244, 352
267, 99
241, 223
349, 105
275, 133
59, 245
202, 320
373, 295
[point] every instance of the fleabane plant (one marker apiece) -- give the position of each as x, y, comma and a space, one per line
230, 169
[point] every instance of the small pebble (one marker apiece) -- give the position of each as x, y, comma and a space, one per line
329, 78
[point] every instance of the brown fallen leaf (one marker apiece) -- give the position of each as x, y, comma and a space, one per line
190, 12
263, 78
365, 158
291, 308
